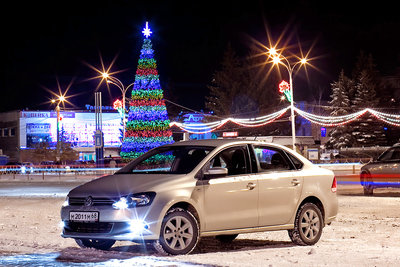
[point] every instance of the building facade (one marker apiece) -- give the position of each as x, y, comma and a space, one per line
21, 130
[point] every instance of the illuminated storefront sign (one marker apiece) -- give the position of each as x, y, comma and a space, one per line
77, 128
193, 117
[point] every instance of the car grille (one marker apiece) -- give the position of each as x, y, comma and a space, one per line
80, 201
81, 227
95, 228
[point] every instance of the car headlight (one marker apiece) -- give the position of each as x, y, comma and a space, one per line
135, 200
66, 202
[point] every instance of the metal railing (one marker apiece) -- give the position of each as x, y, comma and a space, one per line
17, 172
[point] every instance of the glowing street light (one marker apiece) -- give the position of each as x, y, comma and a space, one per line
278, 59
59, 100
114, 81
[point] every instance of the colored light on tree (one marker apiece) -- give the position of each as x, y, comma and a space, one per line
148, 123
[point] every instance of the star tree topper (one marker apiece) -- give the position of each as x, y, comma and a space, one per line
146, 31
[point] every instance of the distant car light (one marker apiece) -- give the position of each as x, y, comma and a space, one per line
61, 224
66, 202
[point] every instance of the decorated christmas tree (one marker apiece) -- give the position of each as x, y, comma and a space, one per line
148, 123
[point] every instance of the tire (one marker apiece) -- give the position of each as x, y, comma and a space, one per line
366, 182
103, 244
179, 233
308, 225
226, 238
368, 190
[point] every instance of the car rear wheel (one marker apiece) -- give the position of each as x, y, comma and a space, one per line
103, 244
226, 238
307, 226
179, 233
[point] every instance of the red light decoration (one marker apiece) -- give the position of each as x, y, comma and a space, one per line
117, 104
284, 86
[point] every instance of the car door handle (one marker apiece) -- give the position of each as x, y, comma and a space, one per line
295, 182
251, 186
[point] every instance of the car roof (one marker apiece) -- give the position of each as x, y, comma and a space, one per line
222, 142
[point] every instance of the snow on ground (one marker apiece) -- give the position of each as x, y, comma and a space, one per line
366, 233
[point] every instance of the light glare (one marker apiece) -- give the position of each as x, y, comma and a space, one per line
276, 59
272, 51
121, 204
137, 227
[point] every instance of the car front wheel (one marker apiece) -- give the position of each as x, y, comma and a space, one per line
366, 182
307, 226
103, 244
179, 233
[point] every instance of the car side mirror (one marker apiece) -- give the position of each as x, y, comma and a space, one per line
215, 172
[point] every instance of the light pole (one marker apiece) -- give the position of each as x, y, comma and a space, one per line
59, 100
114, 81
278, 58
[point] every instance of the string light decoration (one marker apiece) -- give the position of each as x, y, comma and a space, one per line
148, 125
328, 121
202, 128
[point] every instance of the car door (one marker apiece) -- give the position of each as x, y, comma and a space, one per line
230, 202
280, 185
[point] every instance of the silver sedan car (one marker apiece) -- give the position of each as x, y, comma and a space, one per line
175, 194
383, 172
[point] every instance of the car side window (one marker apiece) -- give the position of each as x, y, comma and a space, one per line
271, 159
396, 154
392, 154
235, 159
296, 162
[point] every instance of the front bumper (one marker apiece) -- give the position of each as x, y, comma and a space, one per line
125, 225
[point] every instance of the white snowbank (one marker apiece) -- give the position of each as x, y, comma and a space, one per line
366, 233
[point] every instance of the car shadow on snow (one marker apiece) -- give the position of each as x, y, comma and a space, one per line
211, 244
134, 250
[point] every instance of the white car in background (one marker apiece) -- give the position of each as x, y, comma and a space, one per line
175, 194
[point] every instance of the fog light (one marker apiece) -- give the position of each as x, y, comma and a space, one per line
138, 226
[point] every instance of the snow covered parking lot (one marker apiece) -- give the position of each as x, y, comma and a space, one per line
366, 233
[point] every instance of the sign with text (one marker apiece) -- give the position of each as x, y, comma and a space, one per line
230, 134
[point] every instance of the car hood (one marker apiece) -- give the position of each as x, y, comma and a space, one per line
123, 184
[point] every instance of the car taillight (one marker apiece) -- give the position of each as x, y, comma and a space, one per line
334, 185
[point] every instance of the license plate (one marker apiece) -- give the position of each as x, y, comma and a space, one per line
84, 216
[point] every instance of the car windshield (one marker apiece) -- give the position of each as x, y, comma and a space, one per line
168, 160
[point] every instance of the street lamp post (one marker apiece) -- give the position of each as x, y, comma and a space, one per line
59, 100
114, 81
282, 60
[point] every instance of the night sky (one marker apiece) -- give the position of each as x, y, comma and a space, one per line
45, 41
